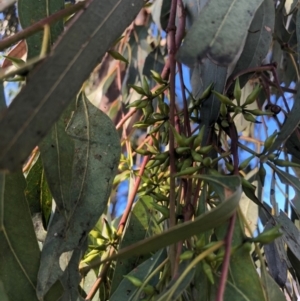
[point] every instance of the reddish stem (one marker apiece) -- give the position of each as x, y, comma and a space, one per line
132, 196
187, 126
181, 23
99, 280
171, 42
226, 261
125, 118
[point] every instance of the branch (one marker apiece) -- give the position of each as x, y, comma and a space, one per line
226, 261
39, 26
171, 42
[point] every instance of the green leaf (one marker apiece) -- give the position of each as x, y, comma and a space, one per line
202, 76
290, 234
202, 288
276, 259
30, 12
2, 98
45, 199
43, 99
258, 40
219, 183
293, 118
33, 187
200, 224
243, 281
71, 278
117, 56
295, 263
188, 279
284, 34
37, 193
126, 290
88, 282
286, 178
19, 252
3, 295
15, 61
222, 30
82, 188
160, 12
143, 58
292, 145
224, 99
153, 61
142, 223
57, 153
244, 284
193, 7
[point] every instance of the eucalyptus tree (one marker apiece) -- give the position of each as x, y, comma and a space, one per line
152, 151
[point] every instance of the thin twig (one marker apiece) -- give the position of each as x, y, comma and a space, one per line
39, 26
285, 89
99, 280
125, 118
226, 261
31, 159
251, 140
231, 79
277, 82
171, 29
132, 196
187, 126
180, 31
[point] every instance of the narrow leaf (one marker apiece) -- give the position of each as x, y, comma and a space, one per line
126, 290
222, 30
258, 40
19, 252
44, 98
117, 56
290, 234
293, 118
31, 11
274, 292
3, 295
202, 77
286, 178
32, 191
277, 260
81, 195
71, 276
87, 283
169, 294
219, 183
243, 280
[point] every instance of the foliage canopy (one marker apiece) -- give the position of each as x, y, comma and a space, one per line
190, 109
